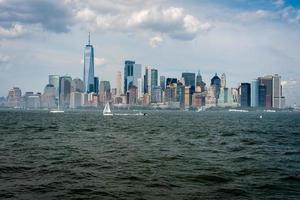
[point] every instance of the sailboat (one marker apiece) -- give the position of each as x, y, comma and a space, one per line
107, 110
58, 109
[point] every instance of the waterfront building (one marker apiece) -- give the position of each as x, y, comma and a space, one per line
96, 85
14, 97
198, 98
64, 91
200, 82
211, 99
88, 72
162, 80
84, 99
216, 82
262, 92
33, 101
75, 100
132, 95
147, 80
54, 80
77, 85
255, 93
267, 81
140, 86
189, 80
245, 95
104, 92
48, 99
119, 83
235, 97
223, 81
276, 91
93, 99
154, 78
156, 94
170, 93
223, 97
132, 72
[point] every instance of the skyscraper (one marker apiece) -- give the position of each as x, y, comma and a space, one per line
77, 85
154, 78
96, 85
48, 98
147, 80
262, 92
132, 73
189, 80
119, 83
88, 72
267, 81
216, 81
200, 82
14, 97
54, 80
64, 91
162, 80
255, 93
245, 94
223, 80
276, 91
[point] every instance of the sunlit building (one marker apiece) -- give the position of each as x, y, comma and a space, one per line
88, 73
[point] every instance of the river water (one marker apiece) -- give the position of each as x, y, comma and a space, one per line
163, 155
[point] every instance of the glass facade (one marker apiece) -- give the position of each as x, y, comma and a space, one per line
88, 74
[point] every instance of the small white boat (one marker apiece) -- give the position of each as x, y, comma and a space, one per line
107, 111
270, 110
237, 110
57, 111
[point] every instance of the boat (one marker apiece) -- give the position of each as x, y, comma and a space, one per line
237, 110
107, 111
270, 110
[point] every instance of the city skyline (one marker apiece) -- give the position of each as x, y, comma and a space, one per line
253, 40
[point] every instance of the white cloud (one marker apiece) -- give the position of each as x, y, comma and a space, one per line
278, 3
15, 31
155, 41
4, 62
256, 15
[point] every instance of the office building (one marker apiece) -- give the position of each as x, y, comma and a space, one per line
147, 80
162, 80
64, 91
14, 97
154, 78
132, 73
75, 100
77, 85
267, 81
216, 82
54, 80
119, 83
88, 72
189, 80
276, 91
245, 95
255, 93
262, 92
48, 99
96, 85
156, 94
200, 82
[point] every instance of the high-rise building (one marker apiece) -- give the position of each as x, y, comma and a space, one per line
156, 94
189, 80
245, 95
171, 81
104, 92
88, 72
14, 97
54, 80
162, 80
132, 72
216, 82
154, 78
276, 92
64, 91
77, 85
119, 83
75, 100
255, 93
211, 99
48, 99
267, 81
147, 80
96, 85
132, 95
262, 92
200, 82
223, 81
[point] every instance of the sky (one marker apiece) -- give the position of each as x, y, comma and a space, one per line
243, 39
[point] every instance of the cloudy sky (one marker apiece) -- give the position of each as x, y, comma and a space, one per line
245, 39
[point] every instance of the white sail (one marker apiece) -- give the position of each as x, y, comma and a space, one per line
107, 110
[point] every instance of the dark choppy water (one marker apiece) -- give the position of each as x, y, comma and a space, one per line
165, 155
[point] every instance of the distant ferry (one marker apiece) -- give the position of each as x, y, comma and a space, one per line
270, 111
237, 110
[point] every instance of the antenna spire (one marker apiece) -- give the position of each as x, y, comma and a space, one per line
89, 38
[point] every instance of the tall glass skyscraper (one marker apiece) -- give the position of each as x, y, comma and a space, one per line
255, 93
245, 95
88, 73
132, 74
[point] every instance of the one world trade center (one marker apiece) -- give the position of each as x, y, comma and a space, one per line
88, 73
